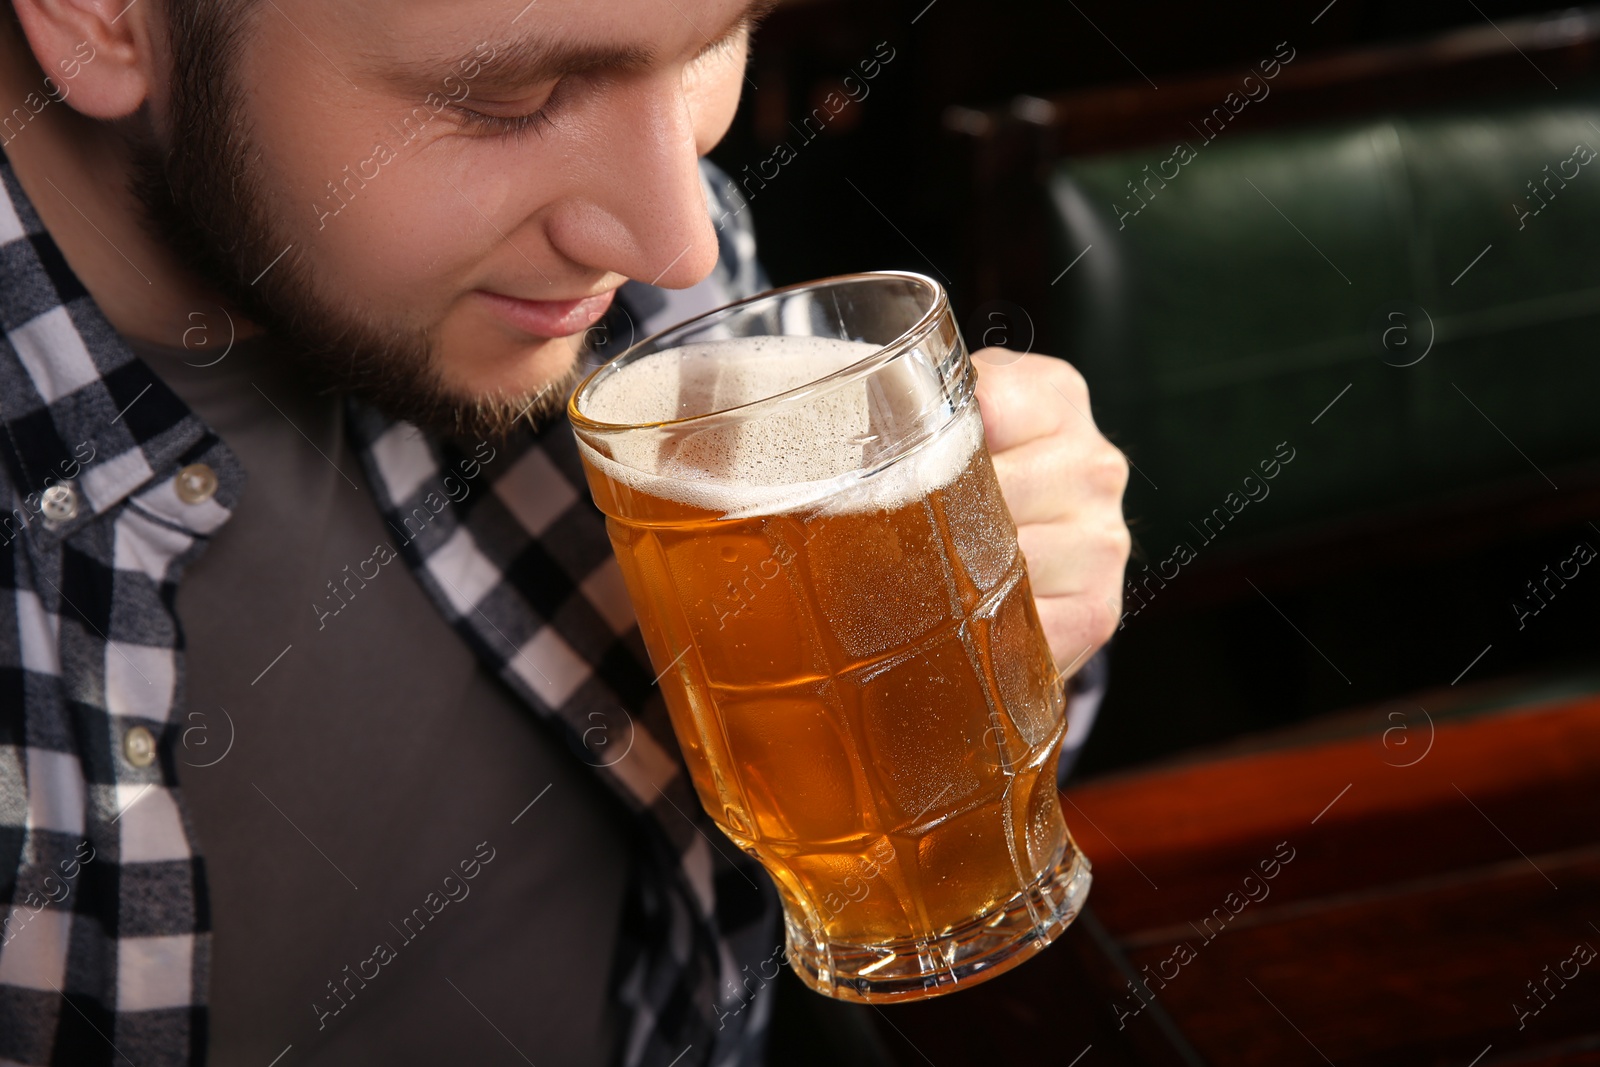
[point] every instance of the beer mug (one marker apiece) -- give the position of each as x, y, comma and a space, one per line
799, 494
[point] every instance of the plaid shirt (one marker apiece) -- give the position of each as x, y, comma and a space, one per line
104, 924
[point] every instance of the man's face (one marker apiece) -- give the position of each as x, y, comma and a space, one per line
455, 187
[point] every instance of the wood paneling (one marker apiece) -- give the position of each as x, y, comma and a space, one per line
1196, 831
1419, 902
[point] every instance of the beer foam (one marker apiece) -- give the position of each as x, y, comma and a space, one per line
808, 451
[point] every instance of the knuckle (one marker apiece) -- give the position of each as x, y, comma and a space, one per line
1081, 621
1109, 468
1121, 542
1071, 380
1068, 373
1103, 619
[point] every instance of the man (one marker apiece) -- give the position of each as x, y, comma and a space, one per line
292, 295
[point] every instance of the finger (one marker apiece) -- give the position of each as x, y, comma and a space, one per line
1060, 476
1029, 398
1076, 626
1076, 558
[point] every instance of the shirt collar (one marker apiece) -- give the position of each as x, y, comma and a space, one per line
77, 407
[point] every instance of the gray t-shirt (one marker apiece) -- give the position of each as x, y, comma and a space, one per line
380, 891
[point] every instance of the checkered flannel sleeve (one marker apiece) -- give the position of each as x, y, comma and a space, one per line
104, 934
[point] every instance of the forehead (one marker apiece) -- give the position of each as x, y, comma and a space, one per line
390, 37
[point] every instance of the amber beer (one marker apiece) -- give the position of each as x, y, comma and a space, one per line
866, 702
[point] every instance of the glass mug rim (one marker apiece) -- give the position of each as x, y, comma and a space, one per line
882, 354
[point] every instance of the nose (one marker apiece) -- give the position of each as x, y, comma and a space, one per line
641, 209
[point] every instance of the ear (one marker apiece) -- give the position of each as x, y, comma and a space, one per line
97, 55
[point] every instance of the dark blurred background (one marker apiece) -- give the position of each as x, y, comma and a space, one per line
942, 164
895, 146
1347, 336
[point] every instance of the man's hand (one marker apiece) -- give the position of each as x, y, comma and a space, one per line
1063, 482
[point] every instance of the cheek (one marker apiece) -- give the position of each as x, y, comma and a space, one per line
443, 216
392, 214
404, 238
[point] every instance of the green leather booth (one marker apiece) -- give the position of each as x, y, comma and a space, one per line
1225, 300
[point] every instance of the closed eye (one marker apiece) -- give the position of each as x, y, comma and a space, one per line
511, 127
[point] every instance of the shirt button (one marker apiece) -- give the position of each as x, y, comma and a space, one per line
196, 483
59, 503
139, 747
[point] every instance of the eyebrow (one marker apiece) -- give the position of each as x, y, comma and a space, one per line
537, 57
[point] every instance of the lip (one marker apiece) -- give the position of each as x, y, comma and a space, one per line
549, 318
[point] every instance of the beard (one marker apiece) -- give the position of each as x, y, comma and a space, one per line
200, 188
